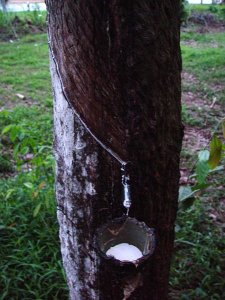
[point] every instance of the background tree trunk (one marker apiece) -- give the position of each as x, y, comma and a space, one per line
3, 5
140, 46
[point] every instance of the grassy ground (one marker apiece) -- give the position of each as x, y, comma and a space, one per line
30, 266
197, 270
28, 74
15, 25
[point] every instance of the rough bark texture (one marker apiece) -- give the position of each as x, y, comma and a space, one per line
117, 63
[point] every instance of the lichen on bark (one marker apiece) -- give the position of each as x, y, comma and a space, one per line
76, 172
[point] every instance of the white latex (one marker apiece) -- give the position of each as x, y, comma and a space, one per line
124, 252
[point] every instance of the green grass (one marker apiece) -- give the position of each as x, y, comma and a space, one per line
28, 74
206, 61
30, 266
212, 62
217, 10
16, 23
197, 271
204, 38
188, 118
204, 7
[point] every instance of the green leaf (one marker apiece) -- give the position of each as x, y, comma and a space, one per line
29, 185
9, 193
24, 150
187, 203
37, 209
186, 197
202, 170
215, 152
185, 192
14, 132
197, 187
203, 155
4, 113
7, 129
47, 202
16, 150
43, 148
21, 135
177, 228
30, 142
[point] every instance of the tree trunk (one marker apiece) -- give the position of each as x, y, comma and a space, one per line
3, 5
124, 58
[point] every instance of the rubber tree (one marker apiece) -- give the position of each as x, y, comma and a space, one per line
115, 68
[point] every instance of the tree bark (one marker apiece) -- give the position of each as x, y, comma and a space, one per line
3, 5
124, 57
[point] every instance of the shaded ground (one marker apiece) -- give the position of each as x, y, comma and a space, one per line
200, 230
200, 111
